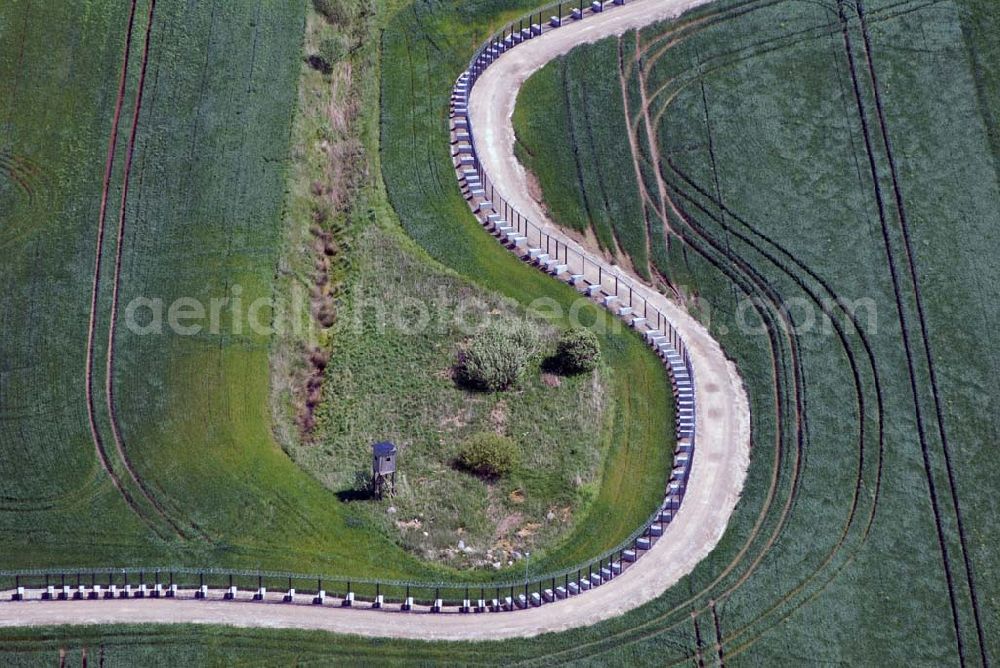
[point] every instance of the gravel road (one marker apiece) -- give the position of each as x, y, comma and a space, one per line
717, 475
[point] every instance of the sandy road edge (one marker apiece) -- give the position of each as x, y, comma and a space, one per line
717, 475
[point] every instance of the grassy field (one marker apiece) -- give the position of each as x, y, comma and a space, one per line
385, 379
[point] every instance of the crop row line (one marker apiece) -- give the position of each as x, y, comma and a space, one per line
99, 446
904, 326
922, 320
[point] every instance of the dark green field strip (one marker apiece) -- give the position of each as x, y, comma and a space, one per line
115, 462
899, 252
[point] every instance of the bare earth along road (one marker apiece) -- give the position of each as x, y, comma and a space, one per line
719, 464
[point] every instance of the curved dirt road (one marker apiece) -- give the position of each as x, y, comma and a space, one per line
717, 474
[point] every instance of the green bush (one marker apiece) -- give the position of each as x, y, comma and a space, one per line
332, 48
578, 351
337, 12
497, 356
488, 454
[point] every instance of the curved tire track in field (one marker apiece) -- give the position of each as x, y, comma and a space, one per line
102, 453
116, 286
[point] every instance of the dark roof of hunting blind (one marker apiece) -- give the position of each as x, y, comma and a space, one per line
384, 449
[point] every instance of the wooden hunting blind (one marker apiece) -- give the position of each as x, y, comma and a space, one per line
383, 468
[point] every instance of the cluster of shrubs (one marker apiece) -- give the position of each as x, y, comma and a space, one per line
498, 356
578, 351
495, 360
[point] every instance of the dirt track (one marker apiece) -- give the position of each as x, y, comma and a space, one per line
719, 465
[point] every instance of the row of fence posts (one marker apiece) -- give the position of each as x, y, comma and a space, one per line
617, 285
113, 583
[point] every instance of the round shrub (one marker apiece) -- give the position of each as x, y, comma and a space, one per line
497, 357
488, 454
578, 351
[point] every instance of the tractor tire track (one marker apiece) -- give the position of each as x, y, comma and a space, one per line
922, 321
718, 636
640, 185
18, 69
699, 643
116, 287
99, 446
904, 329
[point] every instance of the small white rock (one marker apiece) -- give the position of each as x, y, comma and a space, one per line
391, 510
461, 544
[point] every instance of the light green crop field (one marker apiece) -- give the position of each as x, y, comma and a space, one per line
204, 480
